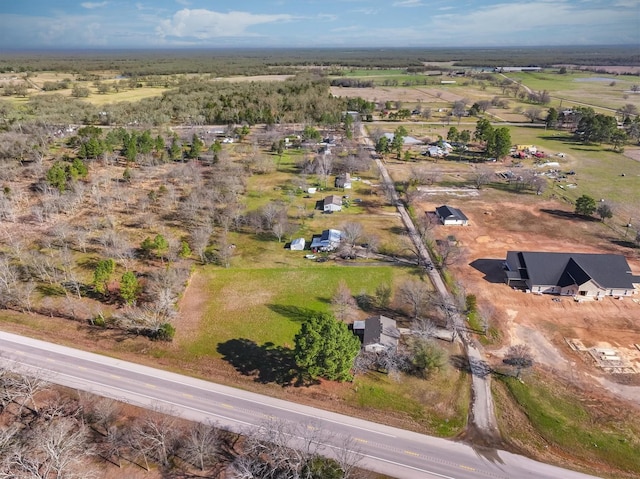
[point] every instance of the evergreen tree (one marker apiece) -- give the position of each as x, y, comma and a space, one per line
185, 250
129, 287
484, 130
326, 348
499, 142
102, 275
382, 145
585, 205
552, 118
398, 140
175, 152
196, 147
57, 176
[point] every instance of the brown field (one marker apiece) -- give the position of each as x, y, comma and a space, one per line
527, 223
404, 94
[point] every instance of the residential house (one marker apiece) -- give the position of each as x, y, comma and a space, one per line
448, 215
332, 203
377, 333
327, 241
583, 275
343, 181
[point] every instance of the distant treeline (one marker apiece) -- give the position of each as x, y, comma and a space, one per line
352, 83
226, 62
301, 99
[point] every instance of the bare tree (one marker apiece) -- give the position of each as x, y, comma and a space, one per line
66, 443
104, 413
539, 184
343, 302
365, 361
520, 357
26, 386
481, 177
425, 224
394, 361
416, 294
156, 433
532, 113
324, 167
200, 241
352, 233
224, 250
448, 253
423, 328
201, 446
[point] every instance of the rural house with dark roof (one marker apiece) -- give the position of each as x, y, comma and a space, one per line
448, 215
571, 274
377, 333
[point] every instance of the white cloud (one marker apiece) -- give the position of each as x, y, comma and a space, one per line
366, 11
92, 5
408, 3
204, 24
627, 3
544, 17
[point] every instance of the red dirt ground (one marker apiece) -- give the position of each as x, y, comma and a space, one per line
536, 319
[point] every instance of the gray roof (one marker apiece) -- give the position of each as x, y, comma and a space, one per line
381, 330
333, 199
608, 271
446, 211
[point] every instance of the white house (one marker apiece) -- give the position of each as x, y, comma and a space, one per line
297, 244
449, 215
332, 203
327, 241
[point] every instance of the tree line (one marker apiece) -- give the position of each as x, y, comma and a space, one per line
54, 433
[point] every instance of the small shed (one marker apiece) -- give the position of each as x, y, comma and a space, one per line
332, 203
298, 244
343, 181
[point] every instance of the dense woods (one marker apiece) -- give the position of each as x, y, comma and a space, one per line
196, 102
226, 62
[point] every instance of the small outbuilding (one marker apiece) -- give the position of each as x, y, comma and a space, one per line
298, 244
343, 181
332, 203
448, 215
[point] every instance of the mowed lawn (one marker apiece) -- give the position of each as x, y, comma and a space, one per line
268, 305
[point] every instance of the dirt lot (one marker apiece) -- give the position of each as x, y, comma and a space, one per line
498, 226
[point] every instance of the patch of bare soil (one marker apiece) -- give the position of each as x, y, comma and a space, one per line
538, 320
633, 153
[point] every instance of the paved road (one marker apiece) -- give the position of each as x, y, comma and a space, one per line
482, 412
395, 452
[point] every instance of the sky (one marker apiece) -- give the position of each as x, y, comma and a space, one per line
114, 24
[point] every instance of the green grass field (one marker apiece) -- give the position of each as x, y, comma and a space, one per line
581, 430
267, 305
575, 89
